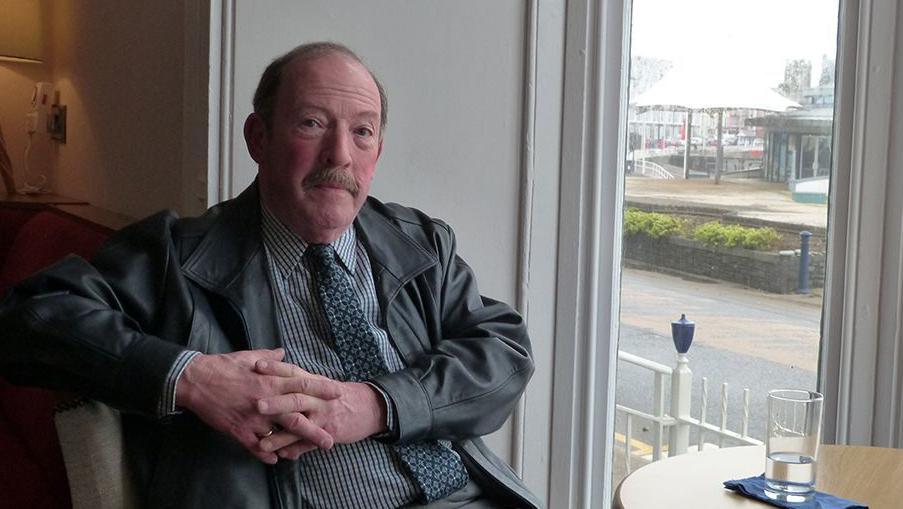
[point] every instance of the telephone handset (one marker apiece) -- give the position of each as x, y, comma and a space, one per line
41, 99
37, 121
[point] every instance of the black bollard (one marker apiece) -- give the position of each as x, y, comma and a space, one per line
803, 286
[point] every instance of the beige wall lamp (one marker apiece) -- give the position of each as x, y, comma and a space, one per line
20, 41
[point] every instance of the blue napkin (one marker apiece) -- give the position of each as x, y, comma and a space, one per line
754, 487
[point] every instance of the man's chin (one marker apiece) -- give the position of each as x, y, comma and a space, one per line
335, 211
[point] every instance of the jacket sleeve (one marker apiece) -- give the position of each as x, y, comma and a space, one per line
475, 364
86, 327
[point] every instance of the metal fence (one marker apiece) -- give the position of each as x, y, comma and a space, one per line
651, 169
675, 417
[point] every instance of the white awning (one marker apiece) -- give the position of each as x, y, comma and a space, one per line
710, 90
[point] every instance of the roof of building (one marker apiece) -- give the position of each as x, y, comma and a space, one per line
815, 120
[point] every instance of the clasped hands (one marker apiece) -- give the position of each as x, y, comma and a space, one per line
248, 393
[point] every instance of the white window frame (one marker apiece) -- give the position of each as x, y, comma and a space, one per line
862, 325
589, 248
861, 366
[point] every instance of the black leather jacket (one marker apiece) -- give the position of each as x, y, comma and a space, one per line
112, 329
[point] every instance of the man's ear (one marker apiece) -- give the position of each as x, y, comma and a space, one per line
255, 136
379, 150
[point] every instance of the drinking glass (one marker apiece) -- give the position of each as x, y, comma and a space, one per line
793, 435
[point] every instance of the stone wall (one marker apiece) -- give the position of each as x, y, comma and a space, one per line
724, 215
769, 271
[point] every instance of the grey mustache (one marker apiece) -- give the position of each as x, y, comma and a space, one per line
332, 175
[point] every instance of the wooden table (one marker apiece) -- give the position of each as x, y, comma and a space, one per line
869, 475
38, 199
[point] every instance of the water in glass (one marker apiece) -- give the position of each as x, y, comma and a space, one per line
789, 476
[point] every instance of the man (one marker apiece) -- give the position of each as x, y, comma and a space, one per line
302, 345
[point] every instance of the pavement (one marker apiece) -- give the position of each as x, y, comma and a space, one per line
770, 201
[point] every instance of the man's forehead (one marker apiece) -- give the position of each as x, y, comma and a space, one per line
331, 70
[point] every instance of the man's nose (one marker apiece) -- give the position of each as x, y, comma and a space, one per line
337, 149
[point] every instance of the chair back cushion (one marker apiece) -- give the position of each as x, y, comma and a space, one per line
45, 238
31, 465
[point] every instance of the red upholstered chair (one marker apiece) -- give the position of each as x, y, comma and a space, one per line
43, 239
11, 221
32, 474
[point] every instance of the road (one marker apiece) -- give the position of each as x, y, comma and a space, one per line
746, 338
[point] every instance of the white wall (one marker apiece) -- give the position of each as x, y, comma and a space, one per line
454, 73
17, 81
118, 68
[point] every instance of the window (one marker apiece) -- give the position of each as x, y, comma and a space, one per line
859, 362
713, 225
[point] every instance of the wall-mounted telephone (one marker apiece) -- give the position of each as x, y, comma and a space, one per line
38, 120
41, 101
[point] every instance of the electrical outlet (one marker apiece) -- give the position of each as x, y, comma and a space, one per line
56, 124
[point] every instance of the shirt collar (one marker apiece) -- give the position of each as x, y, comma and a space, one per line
287, 249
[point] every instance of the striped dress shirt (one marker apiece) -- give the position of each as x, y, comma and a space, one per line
366, 474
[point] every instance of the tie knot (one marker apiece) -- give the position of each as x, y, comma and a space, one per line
322, 254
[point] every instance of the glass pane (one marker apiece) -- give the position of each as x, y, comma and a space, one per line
728, 166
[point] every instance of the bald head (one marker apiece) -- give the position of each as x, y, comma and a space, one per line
268, 87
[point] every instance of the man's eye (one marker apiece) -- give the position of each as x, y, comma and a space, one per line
310, 122
363, 131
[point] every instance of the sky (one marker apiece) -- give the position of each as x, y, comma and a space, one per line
755, 37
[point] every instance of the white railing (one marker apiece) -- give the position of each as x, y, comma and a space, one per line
678, 420
651, 169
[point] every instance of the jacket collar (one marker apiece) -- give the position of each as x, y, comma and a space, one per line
394, 256
230, 260
232, 240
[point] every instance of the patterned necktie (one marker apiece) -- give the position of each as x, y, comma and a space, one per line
437, 470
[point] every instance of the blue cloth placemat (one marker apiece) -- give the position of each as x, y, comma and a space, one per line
754, 487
